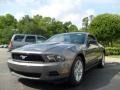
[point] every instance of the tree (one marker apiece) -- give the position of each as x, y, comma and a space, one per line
27, 26
37, 24
7, 24
106, 27
85, 23
66, 26
69, 27
91, 17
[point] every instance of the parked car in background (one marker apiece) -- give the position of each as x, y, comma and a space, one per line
19, 40
66, 55
1, 46
4, 46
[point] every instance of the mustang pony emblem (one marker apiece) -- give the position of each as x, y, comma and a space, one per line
23, 57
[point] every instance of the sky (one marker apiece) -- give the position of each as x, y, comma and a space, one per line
63, 10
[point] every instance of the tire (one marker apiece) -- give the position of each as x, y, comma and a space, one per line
102, 62
77, 72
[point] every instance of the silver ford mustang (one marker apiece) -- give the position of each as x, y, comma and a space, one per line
66, 55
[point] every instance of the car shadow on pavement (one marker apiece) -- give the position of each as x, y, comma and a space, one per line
93, 79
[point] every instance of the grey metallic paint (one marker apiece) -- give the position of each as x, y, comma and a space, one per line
92, 53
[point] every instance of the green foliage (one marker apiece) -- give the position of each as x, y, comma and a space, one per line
39, 25
112, 50
106, 27
7, 24
45, 26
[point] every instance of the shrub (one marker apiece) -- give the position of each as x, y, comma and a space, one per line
112, 50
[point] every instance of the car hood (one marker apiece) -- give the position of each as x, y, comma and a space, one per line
45, 47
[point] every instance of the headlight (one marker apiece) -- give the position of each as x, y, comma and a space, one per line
55, 58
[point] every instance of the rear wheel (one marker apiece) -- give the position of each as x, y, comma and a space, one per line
102, 61
77, 71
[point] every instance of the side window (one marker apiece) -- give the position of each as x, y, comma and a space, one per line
18, 38
40, 39
92, 39
30, 39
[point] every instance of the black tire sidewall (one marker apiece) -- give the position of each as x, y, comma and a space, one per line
100, 65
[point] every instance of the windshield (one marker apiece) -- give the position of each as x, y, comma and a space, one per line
71, 38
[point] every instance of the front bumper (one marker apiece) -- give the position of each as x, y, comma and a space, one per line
40, 71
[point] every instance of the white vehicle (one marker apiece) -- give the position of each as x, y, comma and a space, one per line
1, 46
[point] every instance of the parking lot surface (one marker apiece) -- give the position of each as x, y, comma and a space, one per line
107, 78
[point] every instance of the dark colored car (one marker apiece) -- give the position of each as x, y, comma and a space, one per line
66, 55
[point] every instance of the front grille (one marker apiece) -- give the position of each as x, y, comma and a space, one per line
27, 57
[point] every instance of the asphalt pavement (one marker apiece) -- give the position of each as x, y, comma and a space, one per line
107, 78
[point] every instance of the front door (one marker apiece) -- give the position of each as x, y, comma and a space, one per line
92, 50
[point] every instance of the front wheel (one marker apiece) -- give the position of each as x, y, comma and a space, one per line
77, 71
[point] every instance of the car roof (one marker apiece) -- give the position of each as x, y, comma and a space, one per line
77, 33
28, 35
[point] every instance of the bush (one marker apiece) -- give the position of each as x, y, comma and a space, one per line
112, 50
